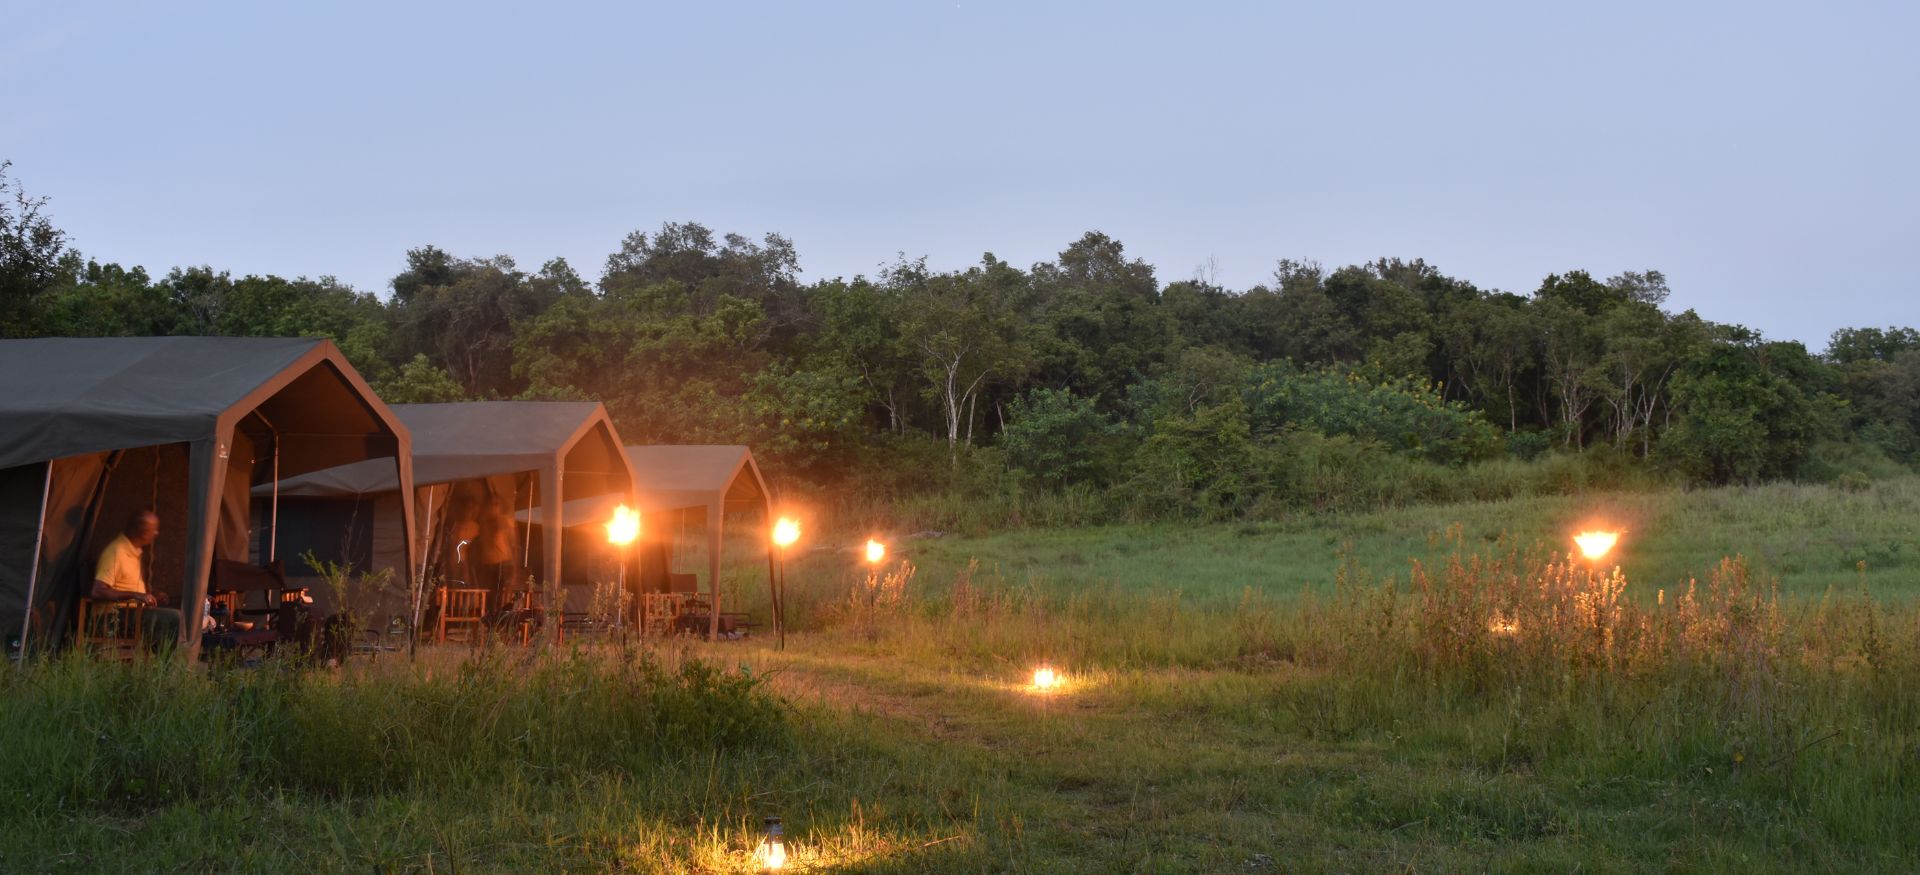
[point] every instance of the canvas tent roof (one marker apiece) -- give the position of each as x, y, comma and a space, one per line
690, 477
571, 445
712, 479
464, 440
216, 400
68, 396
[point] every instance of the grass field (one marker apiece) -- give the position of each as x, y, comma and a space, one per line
1296, 696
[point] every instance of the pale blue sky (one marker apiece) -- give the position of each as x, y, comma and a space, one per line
1762, 155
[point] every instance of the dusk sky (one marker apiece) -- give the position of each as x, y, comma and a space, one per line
1762, 155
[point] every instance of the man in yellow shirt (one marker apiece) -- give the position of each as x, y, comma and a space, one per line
119, 577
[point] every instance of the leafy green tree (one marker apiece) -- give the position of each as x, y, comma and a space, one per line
420, 381
1642, 350
1403, 414
1107, 328
967, 329
1570, 348
860, 326
462, 315
806, 420
1058, 437
1491, 341
30, 257
107, 300
1850, 346
1203, 463
1296, 319
1741, 418
1197, 377
687, 253
1879, 376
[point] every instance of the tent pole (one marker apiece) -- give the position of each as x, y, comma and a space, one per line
33, 572
420, 582
273, 509
273, 516
773, 591
526, 545
715, 514
427, 546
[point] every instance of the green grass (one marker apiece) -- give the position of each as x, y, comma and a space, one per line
1809, 537
1285, 696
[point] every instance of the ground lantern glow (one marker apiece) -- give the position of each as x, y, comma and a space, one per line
1596, 545
1044, 679
876, 551
786, 531
772, 854
624, 527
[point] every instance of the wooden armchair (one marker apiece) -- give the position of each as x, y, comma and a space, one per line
524, 614
463, 614
110, 629
658, 610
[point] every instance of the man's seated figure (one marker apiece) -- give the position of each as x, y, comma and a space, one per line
118, 577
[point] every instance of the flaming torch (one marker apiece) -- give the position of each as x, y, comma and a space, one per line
786, 532
1595, 545
876, 552
624, 527
622, 531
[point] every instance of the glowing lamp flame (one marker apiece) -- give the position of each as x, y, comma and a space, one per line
1596, 545
786, 531
772, 855
1044, 679
624, 527
876, 551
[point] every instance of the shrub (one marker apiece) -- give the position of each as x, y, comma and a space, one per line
1404, 415
1058, 438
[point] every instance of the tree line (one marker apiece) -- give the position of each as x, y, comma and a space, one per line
1087, 371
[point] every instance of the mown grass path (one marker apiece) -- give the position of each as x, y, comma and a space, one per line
1191, 771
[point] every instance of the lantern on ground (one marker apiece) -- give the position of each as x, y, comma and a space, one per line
772, 854
1595, 545
1044, 679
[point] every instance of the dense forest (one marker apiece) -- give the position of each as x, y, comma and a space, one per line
1086, 382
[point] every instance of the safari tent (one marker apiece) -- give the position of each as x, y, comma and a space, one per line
94, 429
679, 487
475, 465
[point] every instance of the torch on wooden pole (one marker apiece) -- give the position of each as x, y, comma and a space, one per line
786, 532
622, 531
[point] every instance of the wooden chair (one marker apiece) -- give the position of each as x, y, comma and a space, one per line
111, 629
462, 611
658, 610
523, 614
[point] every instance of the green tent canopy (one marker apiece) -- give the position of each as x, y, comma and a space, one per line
476, 462
93, 429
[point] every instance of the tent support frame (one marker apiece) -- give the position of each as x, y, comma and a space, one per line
33, 571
